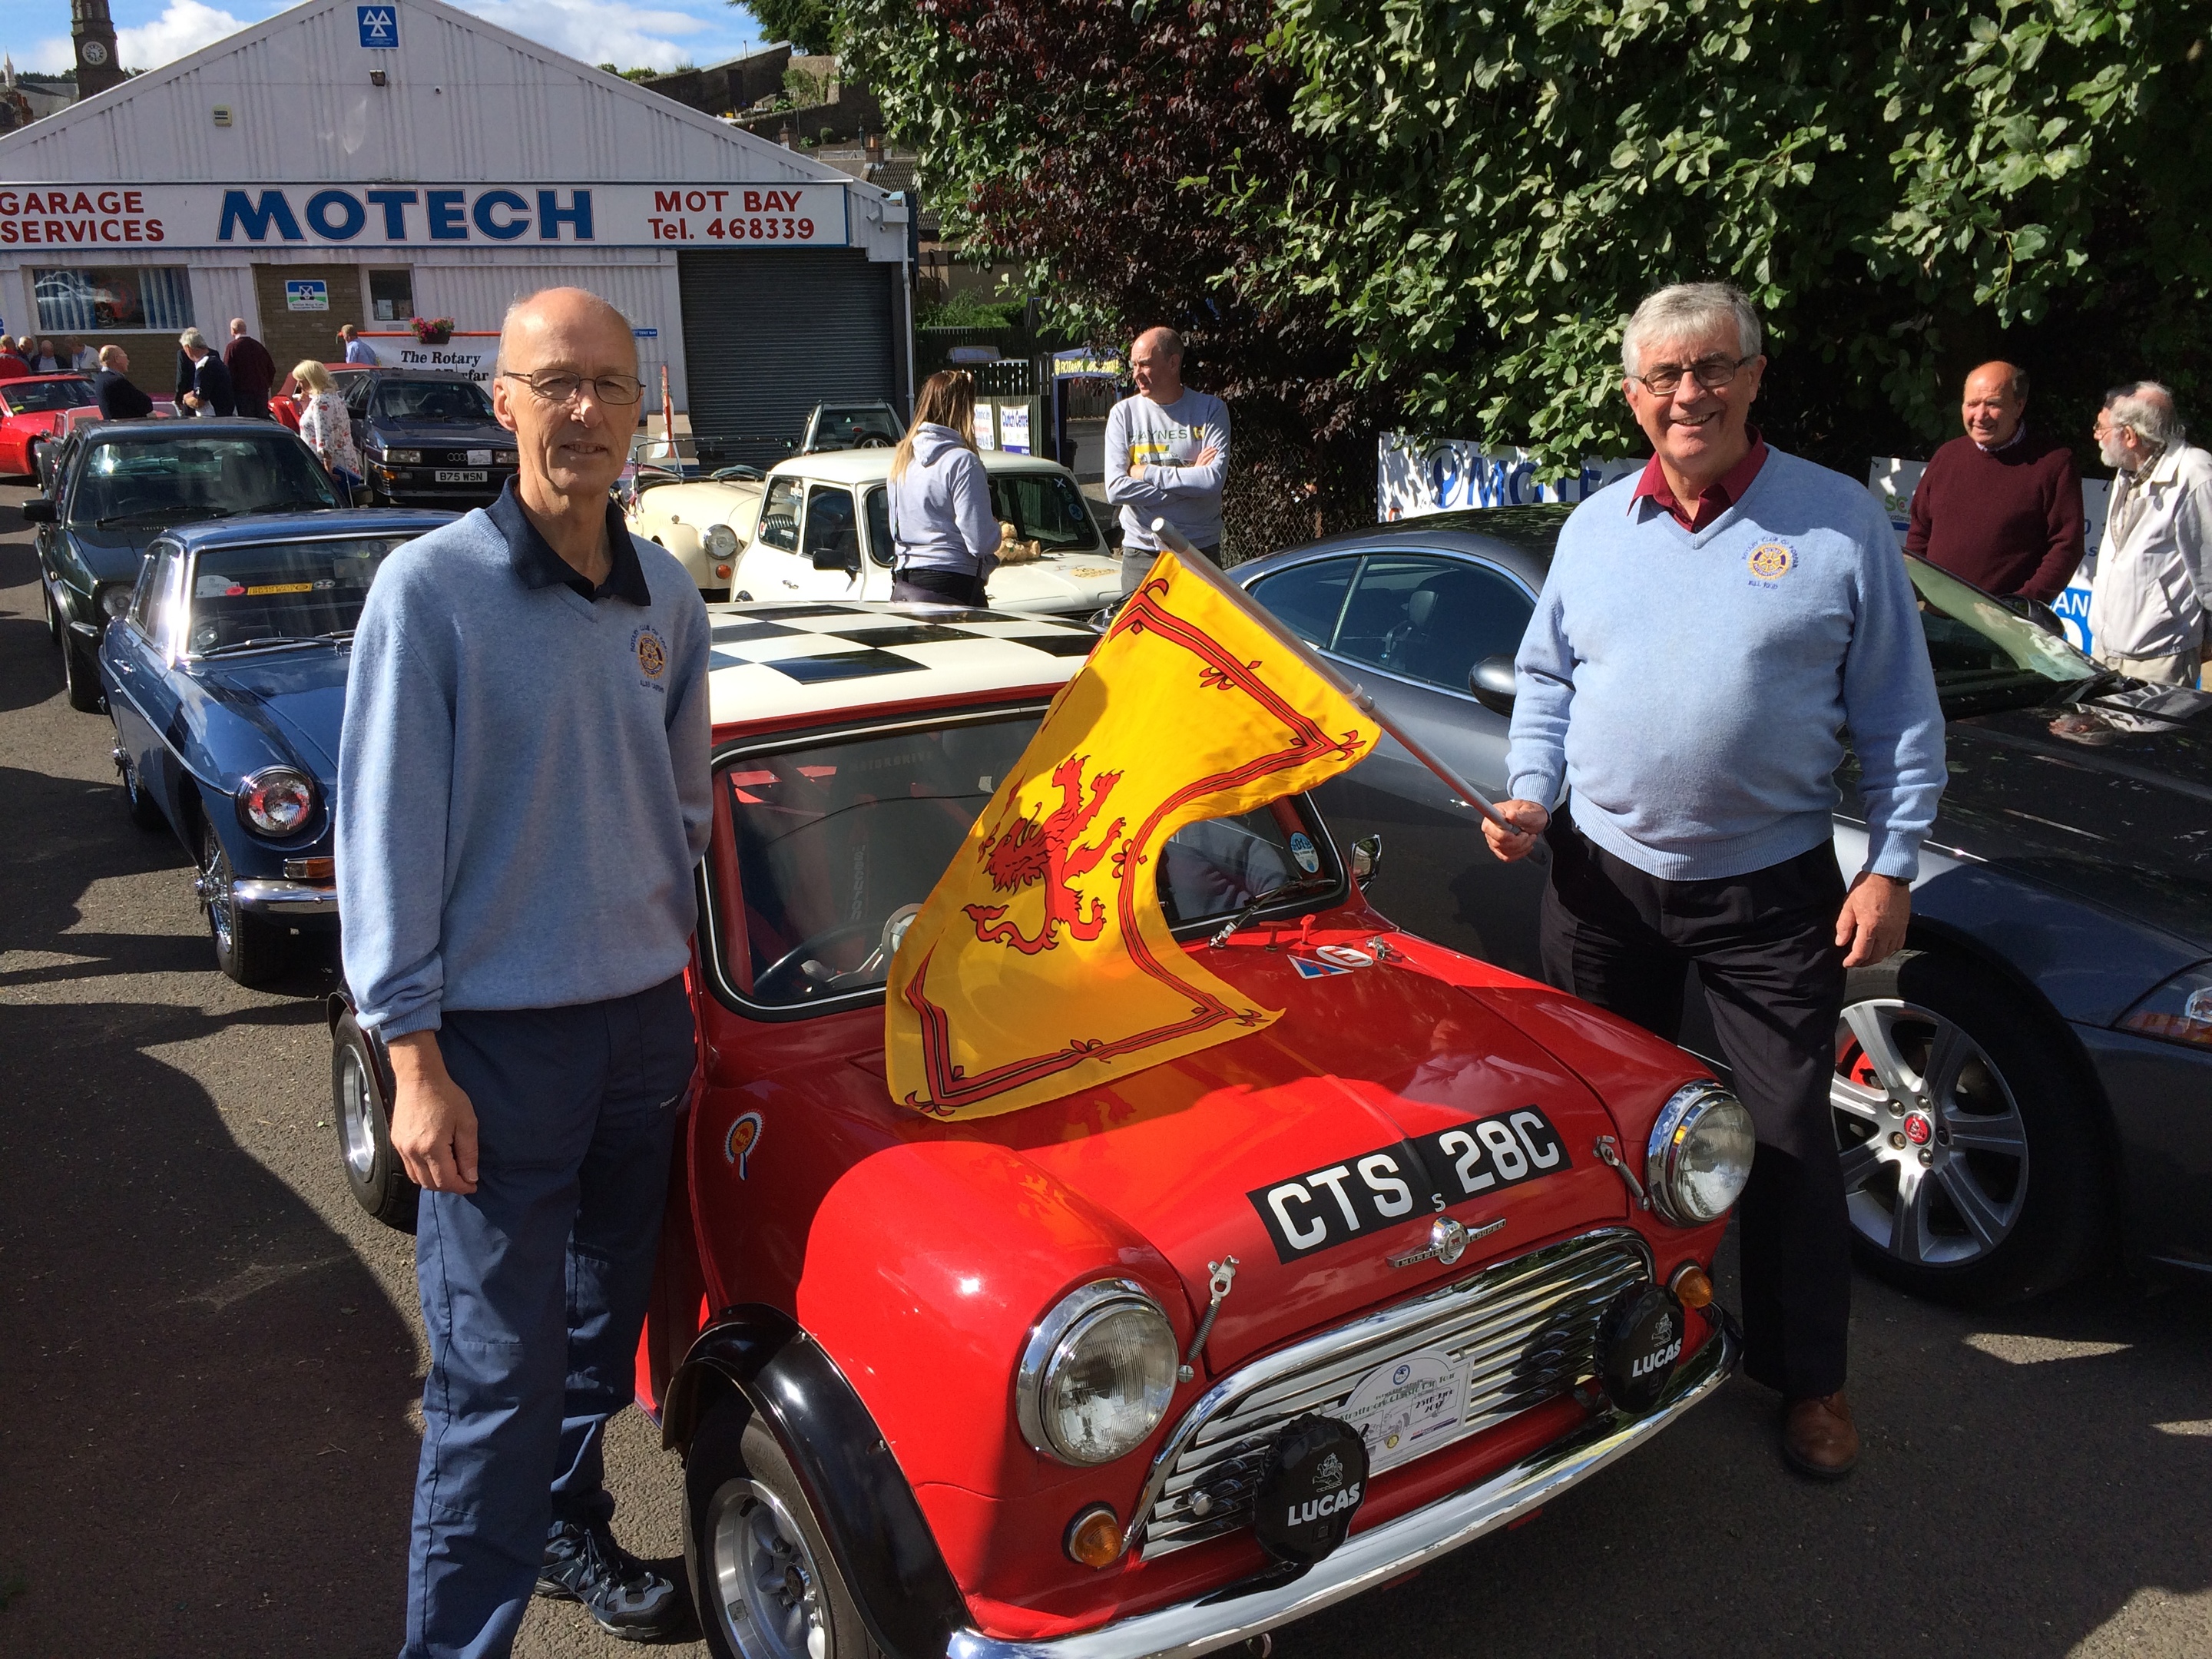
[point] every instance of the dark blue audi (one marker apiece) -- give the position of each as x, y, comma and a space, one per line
225, 675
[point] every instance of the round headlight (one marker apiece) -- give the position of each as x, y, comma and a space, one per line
1098, 1374
1700, 1155
115, 600
278, 803
721, 541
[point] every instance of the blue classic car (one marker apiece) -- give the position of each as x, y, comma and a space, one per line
226, 674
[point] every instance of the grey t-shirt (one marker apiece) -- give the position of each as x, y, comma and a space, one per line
1167, 439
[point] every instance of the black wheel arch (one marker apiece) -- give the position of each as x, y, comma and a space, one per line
905, 1594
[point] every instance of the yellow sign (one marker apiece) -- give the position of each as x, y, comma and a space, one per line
281, 587
1042, 964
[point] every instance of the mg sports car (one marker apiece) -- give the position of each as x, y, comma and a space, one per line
225, 674
1158, 1366
2028, 1083
31, 413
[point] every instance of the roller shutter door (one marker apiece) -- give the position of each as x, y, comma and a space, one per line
767, 336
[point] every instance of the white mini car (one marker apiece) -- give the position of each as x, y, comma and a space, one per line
824, 533
703, 521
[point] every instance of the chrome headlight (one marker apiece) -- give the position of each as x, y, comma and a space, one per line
505, 457
1699, 1154
115, 600
278, 803
721, 541
396, 457
1097, 1374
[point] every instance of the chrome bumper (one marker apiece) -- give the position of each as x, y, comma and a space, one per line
1375, 1557
285, 898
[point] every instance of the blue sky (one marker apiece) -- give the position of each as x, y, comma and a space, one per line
652, 35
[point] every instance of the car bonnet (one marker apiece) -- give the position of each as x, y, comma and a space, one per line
295, 695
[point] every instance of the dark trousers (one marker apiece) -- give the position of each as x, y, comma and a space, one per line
933, 585
534, 1290
1764, 946
1137, 561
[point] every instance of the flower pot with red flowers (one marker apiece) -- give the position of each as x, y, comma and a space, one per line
433, 330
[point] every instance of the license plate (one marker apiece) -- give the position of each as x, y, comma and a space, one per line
474, 477
1406, 1406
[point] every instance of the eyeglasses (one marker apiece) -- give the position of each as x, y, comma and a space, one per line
1710, 373
561, 388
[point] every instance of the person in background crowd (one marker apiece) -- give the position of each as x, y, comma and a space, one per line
526, 971
210, 391
2002, 506
252, 371
326, 425
1167, 456
120, 400
1698, 829
357, 350
82, 358
47, 361
2153, 578
945, 534
12, 366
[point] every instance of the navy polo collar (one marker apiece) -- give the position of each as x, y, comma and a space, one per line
538, 566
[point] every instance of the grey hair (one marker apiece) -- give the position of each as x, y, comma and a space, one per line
2147, 409
1684, 309
111, 354
192, 340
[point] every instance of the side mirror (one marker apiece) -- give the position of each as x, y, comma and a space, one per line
38, 510
1366, 860
1491, 680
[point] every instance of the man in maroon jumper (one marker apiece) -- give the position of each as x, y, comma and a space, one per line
2002, 506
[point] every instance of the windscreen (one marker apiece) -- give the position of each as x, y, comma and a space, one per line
1045, 507
273, 592
173, 479
37, 397
1979, 647
850, 428
838, 844
431, 401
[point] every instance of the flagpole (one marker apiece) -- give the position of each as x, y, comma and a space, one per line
1206, 571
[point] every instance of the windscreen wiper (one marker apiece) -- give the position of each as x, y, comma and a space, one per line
138, 512
265, 641
1281, 889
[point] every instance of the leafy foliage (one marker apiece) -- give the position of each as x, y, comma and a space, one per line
811, 25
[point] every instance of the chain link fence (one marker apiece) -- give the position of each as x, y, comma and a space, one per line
1285, 489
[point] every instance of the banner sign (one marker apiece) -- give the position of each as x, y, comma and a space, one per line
259, 216
1891, 479
1412, 478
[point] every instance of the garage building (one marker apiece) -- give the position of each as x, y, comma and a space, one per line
373, 164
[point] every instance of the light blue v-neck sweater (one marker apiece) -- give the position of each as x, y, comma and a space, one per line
1694, 691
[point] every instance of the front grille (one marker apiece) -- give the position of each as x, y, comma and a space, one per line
1525, 1328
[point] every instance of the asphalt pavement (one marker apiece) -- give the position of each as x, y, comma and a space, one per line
210, 1361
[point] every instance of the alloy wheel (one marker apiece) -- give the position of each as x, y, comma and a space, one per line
214, 888
768, 1589
356, 1120
1935, 1151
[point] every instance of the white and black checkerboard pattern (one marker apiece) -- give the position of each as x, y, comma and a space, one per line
811, 643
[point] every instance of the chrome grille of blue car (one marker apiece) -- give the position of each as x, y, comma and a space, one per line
1526, 1329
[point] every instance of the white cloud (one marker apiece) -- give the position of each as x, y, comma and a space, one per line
185, 27
607, 31
50, 57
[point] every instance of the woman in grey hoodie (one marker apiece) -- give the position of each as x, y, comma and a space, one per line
946, 534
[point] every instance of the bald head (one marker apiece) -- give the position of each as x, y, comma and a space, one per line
568, 389
555, 320
1995, 400
1156, 364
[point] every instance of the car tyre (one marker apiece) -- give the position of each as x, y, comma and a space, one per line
763, 1576
145, 811
1974, 1168
360, 1106
80, 677
249, 949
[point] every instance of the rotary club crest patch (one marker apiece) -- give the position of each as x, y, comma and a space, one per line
1770, 559
652, 655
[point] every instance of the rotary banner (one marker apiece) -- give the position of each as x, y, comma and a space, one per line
1042, 963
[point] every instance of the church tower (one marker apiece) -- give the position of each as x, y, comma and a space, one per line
93, 31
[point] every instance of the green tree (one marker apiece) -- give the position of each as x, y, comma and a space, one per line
811, 25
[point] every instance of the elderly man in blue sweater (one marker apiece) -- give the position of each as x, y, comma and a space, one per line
1708, 633
522, 797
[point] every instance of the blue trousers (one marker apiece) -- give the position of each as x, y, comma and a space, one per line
533, 1292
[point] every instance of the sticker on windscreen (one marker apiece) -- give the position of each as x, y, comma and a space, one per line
1358, 1196
1302, 849
211, 588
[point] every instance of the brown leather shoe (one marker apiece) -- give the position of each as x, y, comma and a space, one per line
1818, 1437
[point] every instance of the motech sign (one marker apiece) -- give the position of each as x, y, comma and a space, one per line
421, 215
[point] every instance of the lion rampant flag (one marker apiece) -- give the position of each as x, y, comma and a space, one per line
1042, 964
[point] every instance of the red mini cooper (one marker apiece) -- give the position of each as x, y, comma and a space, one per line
1157, 1367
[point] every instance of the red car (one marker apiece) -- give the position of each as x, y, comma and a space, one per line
31, 415
1157, 1367
284, 402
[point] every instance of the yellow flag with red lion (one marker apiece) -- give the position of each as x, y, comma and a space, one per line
1042, 963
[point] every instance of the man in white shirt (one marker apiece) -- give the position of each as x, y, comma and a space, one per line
2154, 579
1167, 456
357, 350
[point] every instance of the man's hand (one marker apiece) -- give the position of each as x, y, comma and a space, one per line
1508, 845
433, 1127
1873, 919
1136, 469
1207, 455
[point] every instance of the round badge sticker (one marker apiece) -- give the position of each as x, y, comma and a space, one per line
652, 655
1770, 559
1302, 849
